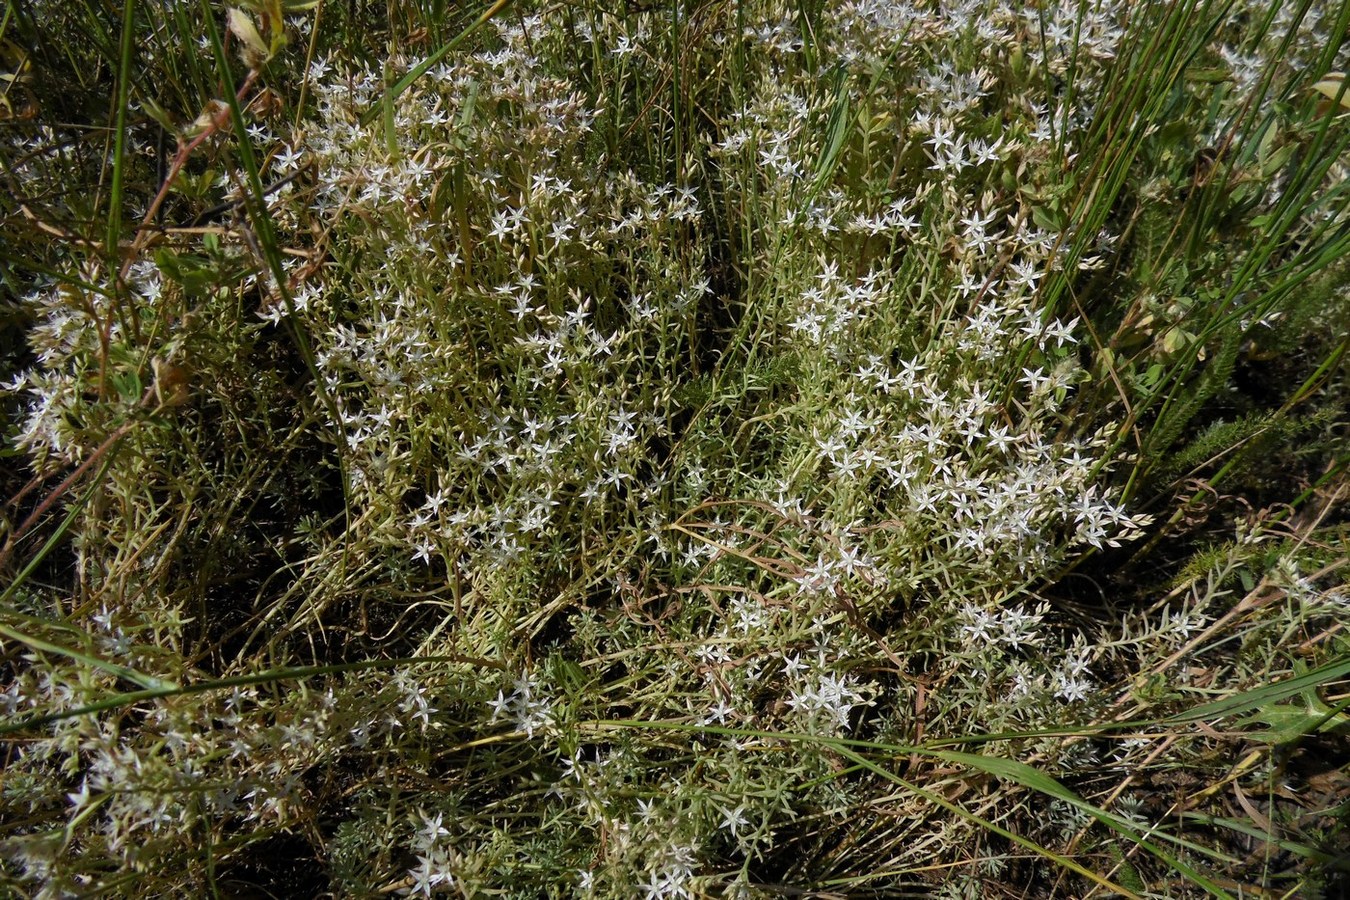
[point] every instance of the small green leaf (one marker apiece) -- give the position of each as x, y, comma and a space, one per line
1153, 688
160, 115
835, 132
569, 675
1290, 721
128, 385
1047, 219
194, 273
1277, 160
1152, 375
1176, 340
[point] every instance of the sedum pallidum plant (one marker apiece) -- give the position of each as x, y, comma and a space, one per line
659, 445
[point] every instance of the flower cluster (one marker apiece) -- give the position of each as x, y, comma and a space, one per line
648, 412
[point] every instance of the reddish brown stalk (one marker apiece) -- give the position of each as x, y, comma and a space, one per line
50, 500
218, 121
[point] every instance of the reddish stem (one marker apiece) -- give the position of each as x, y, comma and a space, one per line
8, 550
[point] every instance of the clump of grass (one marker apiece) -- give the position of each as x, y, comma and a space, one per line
660, 454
